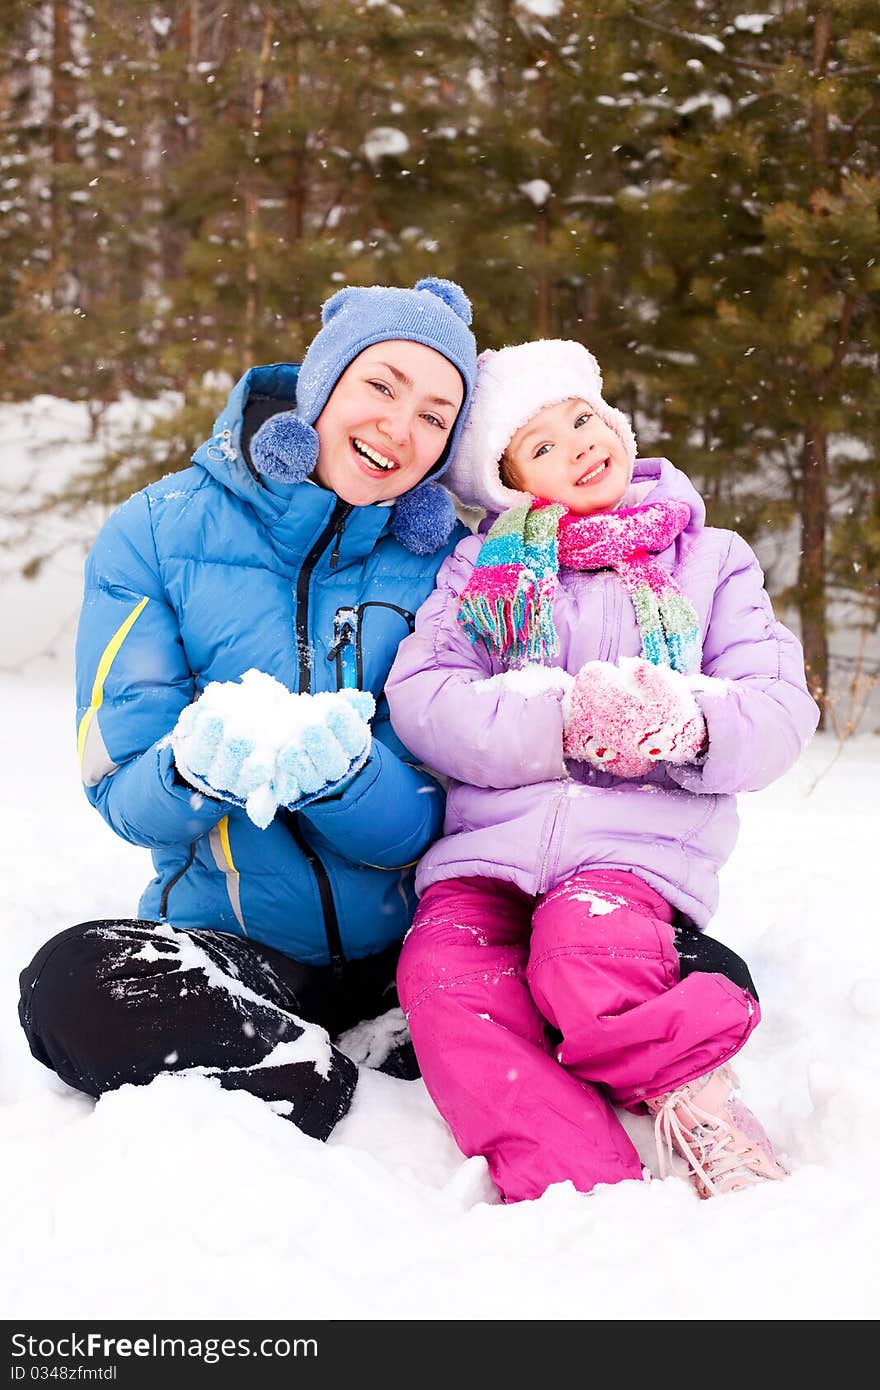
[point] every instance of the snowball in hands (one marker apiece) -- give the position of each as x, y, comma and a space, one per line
258, 745
626, 718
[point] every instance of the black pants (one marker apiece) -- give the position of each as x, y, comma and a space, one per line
106, 1003
697, 951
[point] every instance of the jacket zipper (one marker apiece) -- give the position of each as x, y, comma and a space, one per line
334, 527
163, 905
325, 891
340, 527
541, 885
345, 625
610, 616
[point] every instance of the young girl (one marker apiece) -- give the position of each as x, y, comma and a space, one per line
229, 614
599, 673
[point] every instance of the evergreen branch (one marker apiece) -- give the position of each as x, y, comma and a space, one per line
865, 71
755, 65
750, 65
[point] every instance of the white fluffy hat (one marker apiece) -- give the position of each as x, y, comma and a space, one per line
512, 385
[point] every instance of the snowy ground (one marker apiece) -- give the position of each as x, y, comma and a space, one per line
180, 1200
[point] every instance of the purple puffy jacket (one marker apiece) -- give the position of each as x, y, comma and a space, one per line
517, 812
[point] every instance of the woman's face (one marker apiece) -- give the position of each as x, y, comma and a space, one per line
567, 454
386, 422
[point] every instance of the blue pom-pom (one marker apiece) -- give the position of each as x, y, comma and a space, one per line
451, 294
424, 518
285, 448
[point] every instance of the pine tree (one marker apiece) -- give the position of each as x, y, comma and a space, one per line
767, 237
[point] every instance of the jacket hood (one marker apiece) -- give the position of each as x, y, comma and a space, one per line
257, 395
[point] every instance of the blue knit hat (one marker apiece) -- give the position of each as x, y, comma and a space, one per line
436, 313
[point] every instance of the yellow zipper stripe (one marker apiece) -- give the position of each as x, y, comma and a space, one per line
108, 656
223, 831
221, 853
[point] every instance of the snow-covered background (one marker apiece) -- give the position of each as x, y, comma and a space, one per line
180, 1200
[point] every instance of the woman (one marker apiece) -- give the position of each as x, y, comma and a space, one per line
299, 545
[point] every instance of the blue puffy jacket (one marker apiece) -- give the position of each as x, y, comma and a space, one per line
198, 578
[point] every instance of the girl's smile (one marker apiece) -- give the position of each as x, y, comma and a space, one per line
593, 474
566, 453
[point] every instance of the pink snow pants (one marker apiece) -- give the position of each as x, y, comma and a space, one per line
486, 968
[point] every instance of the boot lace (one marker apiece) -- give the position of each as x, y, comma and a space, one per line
712, 1149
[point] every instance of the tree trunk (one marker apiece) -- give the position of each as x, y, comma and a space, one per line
811, 588
542, 236
62, 143
811, 570
177, 137
501, 57
543, 228
295, 193
251, 198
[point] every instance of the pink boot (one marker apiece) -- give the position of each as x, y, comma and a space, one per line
724, 1145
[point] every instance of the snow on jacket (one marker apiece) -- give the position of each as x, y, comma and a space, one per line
516, 811
198, 578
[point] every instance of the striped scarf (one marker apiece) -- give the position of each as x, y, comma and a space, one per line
508, 600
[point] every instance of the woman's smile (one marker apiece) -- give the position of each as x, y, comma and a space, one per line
372, 458
387, 422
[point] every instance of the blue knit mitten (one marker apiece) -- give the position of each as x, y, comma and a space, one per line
217, 756
322, 757
255, 744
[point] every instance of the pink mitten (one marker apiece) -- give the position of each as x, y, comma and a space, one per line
628, 717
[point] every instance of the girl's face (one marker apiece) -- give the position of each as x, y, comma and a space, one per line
566, 454
386, 422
